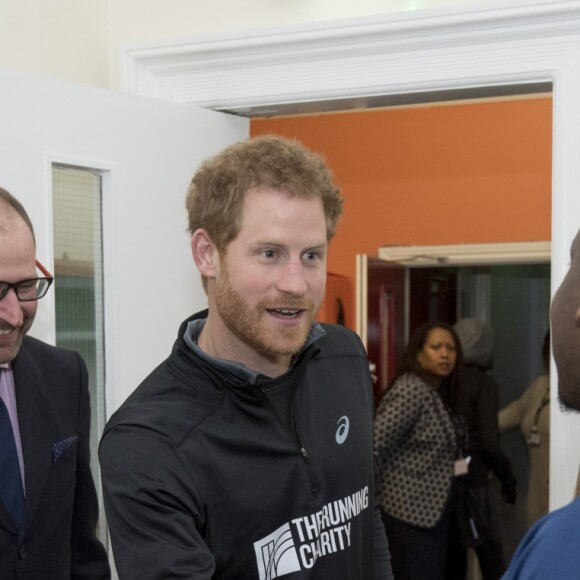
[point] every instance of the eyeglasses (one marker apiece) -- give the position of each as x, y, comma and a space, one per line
31, 289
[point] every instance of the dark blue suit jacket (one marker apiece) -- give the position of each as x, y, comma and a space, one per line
58, 539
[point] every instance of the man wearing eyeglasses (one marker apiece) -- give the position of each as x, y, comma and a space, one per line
48, 503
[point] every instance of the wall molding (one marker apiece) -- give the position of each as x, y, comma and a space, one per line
404, 52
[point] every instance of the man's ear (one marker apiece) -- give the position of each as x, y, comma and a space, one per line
205, 254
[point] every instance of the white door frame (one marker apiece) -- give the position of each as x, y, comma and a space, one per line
444, 255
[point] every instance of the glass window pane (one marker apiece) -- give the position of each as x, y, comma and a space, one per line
78, 286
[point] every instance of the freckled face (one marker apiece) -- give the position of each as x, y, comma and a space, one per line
439, 353
272, 278
565, 334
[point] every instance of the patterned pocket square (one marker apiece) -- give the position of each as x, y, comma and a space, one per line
62, 450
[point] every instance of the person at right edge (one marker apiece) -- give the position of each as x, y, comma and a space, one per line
478, 403
550, 550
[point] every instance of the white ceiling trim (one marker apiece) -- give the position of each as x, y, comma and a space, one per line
408, 52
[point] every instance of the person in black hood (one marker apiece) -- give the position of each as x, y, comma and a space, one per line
478, 402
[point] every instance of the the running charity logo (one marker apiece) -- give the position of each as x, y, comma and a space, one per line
342, 431
300, 542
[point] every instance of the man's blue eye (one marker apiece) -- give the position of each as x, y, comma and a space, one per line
311, 255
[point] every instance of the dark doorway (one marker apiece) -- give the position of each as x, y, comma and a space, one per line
514, 299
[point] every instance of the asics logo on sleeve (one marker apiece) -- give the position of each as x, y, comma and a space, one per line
342, 431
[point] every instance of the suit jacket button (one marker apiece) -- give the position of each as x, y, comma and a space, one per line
22, 553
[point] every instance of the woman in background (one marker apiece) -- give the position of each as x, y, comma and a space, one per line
418, 453
531, 413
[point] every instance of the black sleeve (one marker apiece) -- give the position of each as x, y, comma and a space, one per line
487, 411
154, 511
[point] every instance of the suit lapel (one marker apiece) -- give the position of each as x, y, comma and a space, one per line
37, 427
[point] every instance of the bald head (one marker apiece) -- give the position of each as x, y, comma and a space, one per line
565, 316
12, 209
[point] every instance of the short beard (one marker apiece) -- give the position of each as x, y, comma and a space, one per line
243, 321
10, 353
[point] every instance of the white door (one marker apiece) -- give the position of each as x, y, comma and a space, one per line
148, 151
145, 152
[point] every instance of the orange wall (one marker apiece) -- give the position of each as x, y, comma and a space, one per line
462, 173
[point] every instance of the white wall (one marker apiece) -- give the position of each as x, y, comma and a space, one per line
65, 39
80, 40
